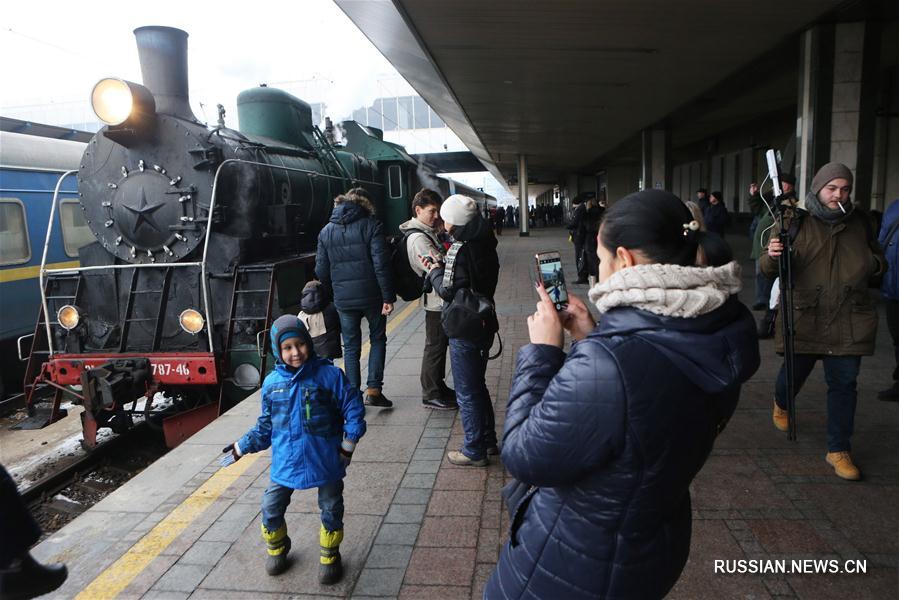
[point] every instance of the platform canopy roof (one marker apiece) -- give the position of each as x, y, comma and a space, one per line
567, 81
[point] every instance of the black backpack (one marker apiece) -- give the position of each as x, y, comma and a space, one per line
407, 283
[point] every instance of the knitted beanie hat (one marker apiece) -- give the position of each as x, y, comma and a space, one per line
828, 173
458, 210
286, 327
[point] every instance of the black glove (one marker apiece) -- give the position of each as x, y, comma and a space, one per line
231, 456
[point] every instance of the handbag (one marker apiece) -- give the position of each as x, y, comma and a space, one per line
471, 315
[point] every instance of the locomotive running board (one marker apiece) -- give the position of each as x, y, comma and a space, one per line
178, 428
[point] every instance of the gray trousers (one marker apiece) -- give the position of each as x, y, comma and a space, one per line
433, 360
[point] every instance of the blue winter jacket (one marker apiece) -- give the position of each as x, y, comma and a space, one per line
613, 434
352, 259
306, 412
890, 229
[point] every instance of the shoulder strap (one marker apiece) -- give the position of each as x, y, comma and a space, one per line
450, 267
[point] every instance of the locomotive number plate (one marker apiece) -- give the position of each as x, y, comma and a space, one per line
194, 368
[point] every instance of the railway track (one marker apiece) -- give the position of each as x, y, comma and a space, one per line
61, 496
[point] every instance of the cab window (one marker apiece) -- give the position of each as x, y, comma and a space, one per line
75, 231
14, 245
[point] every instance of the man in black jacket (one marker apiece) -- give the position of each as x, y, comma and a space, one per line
352, 260
577, 228
476, 267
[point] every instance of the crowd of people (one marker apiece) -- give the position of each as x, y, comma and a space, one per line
593, 446
602, 457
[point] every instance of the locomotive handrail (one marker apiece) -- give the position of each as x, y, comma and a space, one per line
42, 273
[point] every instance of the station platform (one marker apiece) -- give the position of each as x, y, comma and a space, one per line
418, 527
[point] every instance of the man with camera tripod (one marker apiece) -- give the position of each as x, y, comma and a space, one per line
834, 255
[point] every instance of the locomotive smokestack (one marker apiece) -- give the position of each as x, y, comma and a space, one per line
163, 65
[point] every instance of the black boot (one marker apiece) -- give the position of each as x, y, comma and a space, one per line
277, 563
890, 394
30, 579
330, 573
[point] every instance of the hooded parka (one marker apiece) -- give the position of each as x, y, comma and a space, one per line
352, 258
833, 314
612, 458
306, 412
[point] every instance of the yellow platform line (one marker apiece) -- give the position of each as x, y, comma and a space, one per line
122, 572
117, 576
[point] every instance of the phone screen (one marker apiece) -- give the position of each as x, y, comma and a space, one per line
550, 265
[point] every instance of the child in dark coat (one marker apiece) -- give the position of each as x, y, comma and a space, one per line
320, 317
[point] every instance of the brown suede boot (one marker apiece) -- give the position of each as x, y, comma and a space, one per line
843, 466
781, 418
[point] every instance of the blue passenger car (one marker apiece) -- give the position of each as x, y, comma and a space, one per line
30, 167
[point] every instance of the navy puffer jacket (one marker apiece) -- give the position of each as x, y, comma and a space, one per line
352, 259
613, 434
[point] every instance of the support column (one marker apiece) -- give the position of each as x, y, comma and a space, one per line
814, 103
660, 171
653, 159
523, 230
856, 62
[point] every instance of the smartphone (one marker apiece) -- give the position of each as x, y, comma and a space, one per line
549, 269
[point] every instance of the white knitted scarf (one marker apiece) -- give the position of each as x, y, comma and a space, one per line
669, 290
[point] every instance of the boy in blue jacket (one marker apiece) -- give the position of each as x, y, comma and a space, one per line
312, 418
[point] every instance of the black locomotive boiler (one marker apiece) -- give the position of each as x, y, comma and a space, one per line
202, 235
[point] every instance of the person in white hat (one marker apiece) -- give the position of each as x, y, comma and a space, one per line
475, 267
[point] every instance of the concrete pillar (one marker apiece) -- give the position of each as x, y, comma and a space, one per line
856, 62
523, 230
838, 74
645, 160
653, 165
815, 92
660, 171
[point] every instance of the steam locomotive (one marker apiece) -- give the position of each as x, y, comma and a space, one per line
202, 236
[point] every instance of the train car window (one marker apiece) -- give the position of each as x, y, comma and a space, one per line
75, 231
394, 182
14, 245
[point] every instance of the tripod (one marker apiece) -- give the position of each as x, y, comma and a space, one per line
785, 272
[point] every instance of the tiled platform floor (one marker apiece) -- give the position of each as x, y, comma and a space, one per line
417, 527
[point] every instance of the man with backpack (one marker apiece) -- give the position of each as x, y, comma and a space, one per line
420, 239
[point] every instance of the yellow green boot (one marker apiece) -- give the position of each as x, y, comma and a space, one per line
331, 569
277, 543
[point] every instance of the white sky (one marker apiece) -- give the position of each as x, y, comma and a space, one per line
53, 52
62, 48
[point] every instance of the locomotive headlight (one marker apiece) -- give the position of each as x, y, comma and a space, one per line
191, 321
115, 101
69, 316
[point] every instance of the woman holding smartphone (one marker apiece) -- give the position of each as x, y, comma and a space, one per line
610, 436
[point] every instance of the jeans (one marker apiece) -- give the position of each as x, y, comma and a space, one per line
892, 307
350, 323
841, 374
330, 502
433, 360
762, 286
580, 261
469, 362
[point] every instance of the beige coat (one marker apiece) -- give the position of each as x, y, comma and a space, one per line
423, 243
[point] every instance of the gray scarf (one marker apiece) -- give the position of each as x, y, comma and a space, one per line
831, 216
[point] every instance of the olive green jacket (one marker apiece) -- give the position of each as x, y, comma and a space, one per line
832, 309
